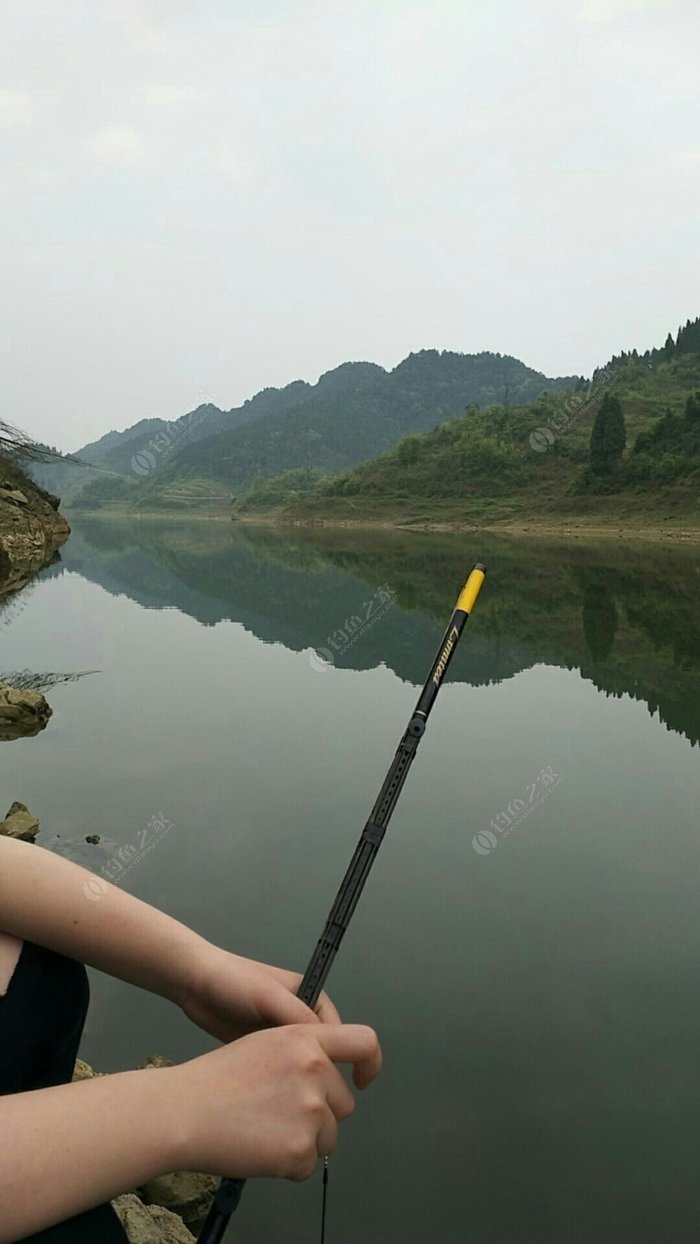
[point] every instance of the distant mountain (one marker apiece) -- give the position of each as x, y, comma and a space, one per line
354, 412
112, 454
100, 450
521, 459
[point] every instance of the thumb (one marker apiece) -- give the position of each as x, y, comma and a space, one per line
285, 1008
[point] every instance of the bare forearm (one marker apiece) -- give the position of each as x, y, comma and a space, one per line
69, 1148
42, 899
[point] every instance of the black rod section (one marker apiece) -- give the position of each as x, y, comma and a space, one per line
229, 1191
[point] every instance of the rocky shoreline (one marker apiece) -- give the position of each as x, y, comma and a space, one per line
22, 713
32, 528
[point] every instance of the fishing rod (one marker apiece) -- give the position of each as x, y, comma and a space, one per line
229, 1191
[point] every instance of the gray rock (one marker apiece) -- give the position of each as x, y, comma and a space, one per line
13, 494
22, 713
82, 1071
188, 1194
31, 528
150, 1224
19, 822
156, 1060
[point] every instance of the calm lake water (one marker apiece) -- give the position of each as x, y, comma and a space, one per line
538, 1002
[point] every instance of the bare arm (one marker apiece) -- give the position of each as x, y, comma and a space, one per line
268, 1104
69, 1148
42, 900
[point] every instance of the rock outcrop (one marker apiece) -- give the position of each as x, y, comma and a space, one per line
31, 527
19, 822
22, 713
83, 1071
149, 1224
185, 1193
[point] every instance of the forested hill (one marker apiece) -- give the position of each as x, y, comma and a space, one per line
530, 458
111, 456
354, 412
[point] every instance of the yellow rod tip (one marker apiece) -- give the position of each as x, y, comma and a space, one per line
471, 589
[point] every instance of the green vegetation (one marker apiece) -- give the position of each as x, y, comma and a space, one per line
627, 444
67, 475
263, 494
608, 436
669, 450
364, 444
114, 452
101, 491
190, 495
354, 412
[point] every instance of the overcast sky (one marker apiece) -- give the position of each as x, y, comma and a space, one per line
204, 198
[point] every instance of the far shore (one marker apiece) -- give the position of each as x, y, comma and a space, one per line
566, 529
610, 527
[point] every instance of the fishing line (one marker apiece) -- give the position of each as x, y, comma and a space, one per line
324, 1200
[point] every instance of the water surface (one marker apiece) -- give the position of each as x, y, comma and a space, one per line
538, 1001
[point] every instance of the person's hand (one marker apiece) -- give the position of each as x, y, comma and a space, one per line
270, 1104
229, 996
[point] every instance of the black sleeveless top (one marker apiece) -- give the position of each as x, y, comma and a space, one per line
41, 1022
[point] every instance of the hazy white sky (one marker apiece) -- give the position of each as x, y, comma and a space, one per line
203, 198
